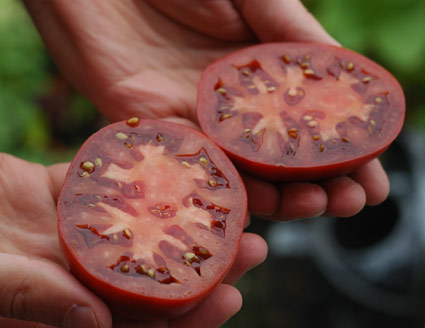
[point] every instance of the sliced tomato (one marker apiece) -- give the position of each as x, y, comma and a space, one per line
295, 111
150, 217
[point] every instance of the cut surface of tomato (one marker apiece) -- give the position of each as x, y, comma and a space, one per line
150, 217
296, 111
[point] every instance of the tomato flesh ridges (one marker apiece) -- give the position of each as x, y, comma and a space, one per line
154, 210
299, 111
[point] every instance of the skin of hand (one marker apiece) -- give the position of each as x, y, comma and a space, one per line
34, 282
144, 58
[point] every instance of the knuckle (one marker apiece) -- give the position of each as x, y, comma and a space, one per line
16, 299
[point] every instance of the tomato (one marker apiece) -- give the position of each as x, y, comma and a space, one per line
150, 217
299, 111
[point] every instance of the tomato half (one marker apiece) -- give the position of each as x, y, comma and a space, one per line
296, 111
150, 217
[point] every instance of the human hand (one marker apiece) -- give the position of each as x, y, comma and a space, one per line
34, 283
144, 58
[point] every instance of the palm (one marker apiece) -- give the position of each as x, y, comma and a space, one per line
132, 64
27, 210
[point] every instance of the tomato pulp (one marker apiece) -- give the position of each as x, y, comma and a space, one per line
297, 111
150, 217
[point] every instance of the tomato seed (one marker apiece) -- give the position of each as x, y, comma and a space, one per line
350, 66
312, 124
286, 59
246, 72
127, 233
378, 100
212, 183
307, 117
293, 133
316, 137
88, 166
128, 145
121, 135
271, 89
321, 148
133, 122
225, 117
98, 162
85, 174
292, 92
372, 122
151, 272
186, 164
222, 91
125, 268
203, 160
91, 205
366, 79
345, 139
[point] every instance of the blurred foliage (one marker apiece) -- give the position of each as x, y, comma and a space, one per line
30, 89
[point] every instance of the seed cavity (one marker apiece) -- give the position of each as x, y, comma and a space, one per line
121, 135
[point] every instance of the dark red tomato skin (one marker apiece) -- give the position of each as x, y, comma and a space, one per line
127, 304
215, 76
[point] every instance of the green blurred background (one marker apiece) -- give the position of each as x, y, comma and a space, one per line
43, 119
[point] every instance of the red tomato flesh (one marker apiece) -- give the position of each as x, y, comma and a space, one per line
294, 111
150, 217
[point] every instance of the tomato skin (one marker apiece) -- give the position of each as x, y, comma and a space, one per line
299, 111
134, 295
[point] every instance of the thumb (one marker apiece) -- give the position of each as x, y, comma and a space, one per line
282, 20
39, 291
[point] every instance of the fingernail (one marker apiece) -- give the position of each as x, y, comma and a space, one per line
80, 316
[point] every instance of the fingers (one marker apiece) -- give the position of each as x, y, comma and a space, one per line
219, 307
252, 252
374, 180
38, 291
301, 200
263, 196
282, 20
345, 197
57, 174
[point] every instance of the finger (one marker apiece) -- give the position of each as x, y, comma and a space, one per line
13, 323
57, 174
252, 252
345, 197
263, 196
38, 291
374, 180
282, 20
300, 200
219, 307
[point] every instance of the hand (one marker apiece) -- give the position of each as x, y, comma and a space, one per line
144, 58
34, 283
